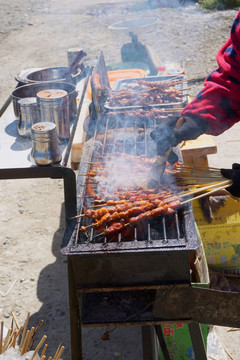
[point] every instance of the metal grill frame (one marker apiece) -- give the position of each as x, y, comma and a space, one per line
183, 239
125, 263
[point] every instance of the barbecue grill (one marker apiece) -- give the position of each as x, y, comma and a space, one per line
165, 243
145, 279
129, 268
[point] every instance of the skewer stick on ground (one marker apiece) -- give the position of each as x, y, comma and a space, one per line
39, 346
35, 333
44, 350
59, 353
15, 336
1, 336
24, 331
15, 320
59, 346
22, 350
30, 336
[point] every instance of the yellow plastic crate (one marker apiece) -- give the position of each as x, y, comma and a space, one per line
221, 238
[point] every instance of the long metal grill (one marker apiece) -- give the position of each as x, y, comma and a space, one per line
126, 135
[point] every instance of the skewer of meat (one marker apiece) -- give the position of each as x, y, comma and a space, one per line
123, 205
132, 221
137, 214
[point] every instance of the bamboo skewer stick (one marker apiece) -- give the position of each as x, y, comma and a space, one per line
24, 331
91, 225
205, 188
1, 336
13, 334
39, 346
29, 339
16, 334
54, 358
25, 342
15, 320
186, 80
201, 173
76, 216
44, 350
6, 340
59, 353
205, 194
35, 333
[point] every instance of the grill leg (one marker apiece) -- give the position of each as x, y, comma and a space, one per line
197, 341
162, 343
149, 343
75, 317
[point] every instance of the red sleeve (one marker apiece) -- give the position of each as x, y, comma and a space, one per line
219, 101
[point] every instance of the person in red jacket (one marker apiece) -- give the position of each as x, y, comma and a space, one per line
215, 109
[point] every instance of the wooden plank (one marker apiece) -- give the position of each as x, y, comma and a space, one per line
201, 305
79, 136
204, 144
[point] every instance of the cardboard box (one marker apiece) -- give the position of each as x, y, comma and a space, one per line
176, 336
221, 238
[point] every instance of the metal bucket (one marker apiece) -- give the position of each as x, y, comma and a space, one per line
52, 74
31, 90
53, 107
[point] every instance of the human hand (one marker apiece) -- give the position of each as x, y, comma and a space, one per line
234, 175
166, 135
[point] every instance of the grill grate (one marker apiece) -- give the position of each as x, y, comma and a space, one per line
120, 134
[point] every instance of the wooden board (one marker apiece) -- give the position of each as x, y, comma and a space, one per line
196, 151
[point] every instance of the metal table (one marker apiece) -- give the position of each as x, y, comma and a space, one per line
15, 158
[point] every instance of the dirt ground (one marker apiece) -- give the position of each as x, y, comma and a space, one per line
33, 275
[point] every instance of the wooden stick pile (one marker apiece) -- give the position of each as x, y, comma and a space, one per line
200, 181
17, 332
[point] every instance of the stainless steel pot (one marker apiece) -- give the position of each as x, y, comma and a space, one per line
53, 74
31, 90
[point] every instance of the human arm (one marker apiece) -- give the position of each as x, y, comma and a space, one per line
217, 107
218, 103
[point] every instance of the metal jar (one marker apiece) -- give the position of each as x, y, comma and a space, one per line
28, 115
45, 146
54, 107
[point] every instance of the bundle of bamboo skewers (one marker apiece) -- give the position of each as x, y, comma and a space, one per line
200, 181
19, 340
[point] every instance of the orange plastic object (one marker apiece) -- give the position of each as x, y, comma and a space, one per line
115, 75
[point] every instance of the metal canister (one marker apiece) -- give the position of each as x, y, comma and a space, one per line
45, 146
72, 54
54, 107
28, 115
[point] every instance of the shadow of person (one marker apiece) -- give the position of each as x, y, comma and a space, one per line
52, 291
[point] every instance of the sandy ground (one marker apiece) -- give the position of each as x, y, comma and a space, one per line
33, 275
